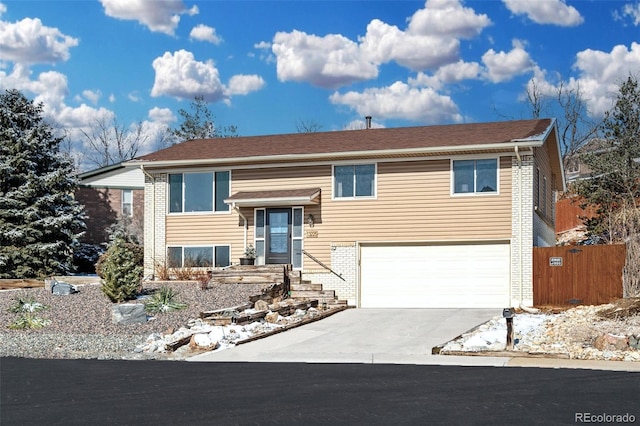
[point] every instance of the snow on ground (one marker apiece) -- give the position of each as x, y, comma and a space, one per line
205, 336
492, 335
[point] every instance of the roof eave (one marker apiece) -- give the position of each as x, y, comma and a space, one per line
504, 146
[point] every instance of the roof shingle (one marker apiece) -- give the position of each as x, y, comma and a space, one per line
453, 135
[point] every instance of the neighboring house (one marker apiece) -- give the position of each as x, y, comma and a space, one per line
437, 216
107, 194
570, 227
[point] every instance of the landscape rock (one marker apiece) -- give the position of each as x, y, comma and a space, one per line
272, 317
261, 305
128, 313
61, 288
202, 341
611, 342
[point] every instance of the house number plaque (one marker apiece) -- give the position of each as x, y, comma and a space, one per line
311, 234
555, 261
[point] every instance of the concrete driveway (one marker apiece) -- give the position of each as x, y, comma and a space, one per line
384, 336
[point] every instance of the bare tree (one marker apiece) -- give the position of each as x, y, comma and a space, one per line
308, 126
536, 100
110, 143
575, 128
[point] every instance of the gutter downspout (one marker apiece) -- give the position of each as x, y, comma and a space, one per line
520, 245
153, 212
246, 223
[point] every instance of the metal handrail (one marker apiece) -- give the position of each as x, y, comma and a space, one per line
322, 264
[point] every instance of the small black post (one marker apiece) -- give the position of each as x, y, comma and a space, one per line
508, 314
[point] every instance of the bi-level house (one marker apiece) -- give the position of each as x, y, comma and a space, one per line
434, 216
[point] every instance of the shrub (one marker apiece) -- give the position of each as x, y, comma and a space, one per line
163, 300
121, 270
29, 320
161, 270
26, 304
27, 307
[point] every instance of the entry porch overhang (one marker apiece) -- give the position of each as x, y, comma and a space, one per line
280, 198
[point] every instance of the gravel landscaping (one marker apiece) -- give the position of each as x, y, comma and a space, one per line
80, 325
601, 332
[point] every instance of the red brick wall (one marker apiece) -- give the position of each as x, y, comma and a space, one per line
103, 206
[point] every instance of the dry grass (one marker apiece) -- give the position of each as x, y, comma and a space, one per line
622, 309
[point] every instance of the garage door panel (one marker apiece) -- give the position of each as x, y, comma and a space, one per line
430, 276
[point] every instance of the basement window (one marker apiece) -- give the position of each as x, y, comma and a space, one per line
198, 256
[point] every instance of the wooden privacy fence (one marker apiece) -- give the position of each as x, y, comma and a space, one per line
584, 275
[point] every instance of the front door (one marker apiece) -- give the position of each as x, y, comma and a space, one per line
278, 236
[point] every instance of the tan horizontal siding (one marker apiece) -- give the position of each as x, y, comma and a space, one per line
204, 230
413, 203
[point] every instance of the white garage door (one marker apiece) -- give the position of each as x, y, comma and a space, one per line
435, 276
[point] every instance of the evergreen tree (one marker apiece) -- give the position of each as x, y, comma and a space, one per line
121, 269
40, 221
614, 186
199, 124
615, 166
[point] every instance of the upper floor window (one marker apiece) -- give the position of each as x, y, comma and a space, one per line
356, 180
198, 192
475, 176
127, 202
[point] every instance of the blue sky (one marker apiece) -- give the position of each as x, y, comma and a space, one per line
265, 65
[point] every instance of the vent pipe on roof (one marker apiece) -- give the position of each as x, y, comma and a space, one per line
368, 122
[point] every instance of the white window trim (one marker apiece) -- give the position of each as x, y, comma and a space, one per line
474, 194
183, 172
122, 203
359, 198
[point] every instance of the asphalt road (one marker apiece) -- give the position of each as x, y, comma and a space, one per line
92, 392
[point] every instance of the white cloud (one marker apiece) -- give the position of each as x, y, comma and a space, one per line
602, 72
555, 12
179, 75
3, 9
92, 96
447, 18
51, 89
205, 33
431, 40
133, 96
503, 66
30, 42
361, 125
162, 115
329, 62
384, 43
112, 98
158, 16
630, 10
448, 74
245, 84
400, 100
